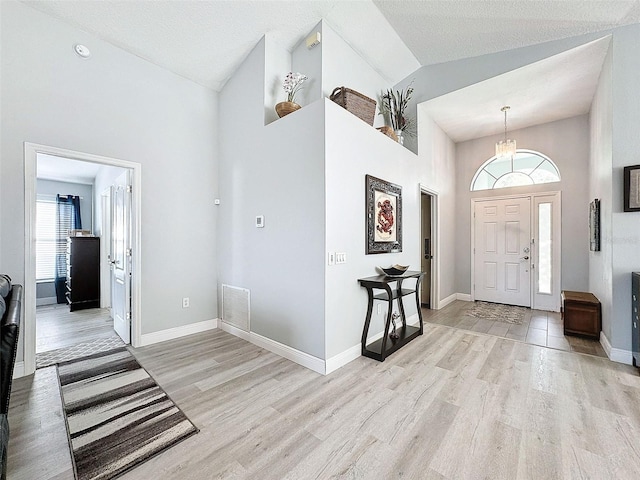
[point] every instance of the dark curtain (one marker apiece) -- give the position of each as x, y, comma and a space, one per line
67, 218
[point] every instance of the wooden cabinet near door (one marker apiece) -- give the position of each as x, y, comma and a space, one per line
635, 317
581, 314
83, 272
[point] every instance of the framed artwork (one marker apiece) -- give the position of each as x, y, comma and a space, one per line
632, 188
594, 226
383, 216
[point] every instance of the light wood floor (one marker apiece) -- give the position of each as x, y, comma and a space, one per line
452, 404
57, 327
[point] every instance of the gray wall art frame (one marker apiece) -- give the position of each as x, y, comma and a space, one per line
383, 216
632, 188
594, 225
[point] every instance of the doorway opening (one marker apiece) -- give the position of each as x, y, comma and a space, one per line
82, 313
428, 246
516, 250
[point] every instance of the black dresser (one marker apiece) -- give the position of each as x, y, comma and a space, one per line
635, 317
83, 272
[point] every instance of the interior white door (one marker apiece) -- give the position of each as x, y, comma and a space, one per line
121, 256
502, 251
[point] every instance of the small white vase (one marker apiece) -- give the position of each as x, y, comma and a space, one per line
400, 137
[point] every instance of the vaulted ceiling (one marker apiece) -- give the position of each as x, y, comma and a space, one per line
206, 40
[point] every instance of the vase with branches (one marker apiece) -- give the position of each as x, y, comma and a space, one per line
393, 105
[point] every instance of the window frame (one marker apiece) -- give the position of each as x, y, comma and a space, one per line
52, 240
483, 168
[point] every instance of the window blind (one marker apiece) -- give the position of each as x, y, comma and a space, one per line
45, 240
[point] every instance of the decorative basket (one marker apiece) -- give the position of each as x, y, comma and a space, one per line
360, 105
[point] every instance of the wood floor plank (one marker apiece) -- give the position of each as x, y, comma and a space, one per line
57, 327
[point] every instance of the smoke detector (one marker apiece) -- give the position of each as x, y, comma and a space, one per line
82, 51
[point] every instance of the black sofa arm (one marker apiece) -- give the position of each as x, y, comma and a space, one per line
9, 344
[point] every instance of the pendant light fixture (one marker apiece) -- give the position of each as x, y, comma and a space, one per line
506, 147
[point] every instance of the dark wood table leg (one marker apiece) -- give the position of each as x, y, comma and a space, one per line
383, 352
367, 319
418, 283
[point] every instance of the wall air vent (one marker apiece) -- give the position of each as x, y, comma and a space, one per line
235, 306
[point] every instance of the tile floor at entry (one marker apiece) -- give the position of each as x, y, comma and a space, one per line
538, 328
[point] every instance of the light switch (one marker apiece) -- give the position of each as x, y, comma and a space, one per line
260, 221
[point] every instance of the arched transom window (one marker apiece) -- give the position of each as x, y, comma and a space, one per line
525, 168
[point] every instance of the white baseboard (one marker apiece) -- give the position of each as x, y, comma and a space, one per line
465, 297
446, 301
177, 332
46, 301
18, 370
341, 359
301, 358
349, 355
615, 354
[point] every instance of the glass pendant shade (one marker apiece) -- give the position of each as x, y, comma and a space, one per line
506, 148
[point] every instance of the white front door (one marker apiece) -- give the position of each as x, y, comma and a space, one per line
121, 256
502, 251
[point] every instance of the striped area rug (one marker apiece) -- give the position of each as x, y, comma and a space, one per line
117, 416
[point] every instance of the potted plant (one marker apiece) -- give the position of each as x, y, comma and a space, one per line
393, 105
292, 84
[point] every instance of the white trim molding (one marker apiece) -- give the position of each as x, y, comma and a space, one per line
465, 297
349, 355
435, 242
18, 370
446, 301
615, 354
177, 332
31, 151
301, 358
46, 301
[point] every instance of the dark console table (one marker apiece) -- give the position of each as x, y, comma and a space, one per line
385, 346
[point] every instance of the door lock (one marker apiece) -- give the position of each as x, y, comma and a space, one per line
525, 258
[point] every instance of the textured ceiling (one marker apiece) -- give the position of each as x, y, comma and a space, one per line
563, 86
439, 31
206, 40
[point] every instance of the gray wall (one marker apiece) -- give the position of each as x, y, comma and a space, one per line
566, 142
625, 147
277, 171
117, 105
600, 185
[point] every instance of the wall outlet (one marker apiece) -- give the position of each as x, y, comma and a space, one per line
185, 302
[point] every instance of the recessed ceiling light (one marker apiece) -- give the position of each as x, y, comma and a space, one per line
82, 51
